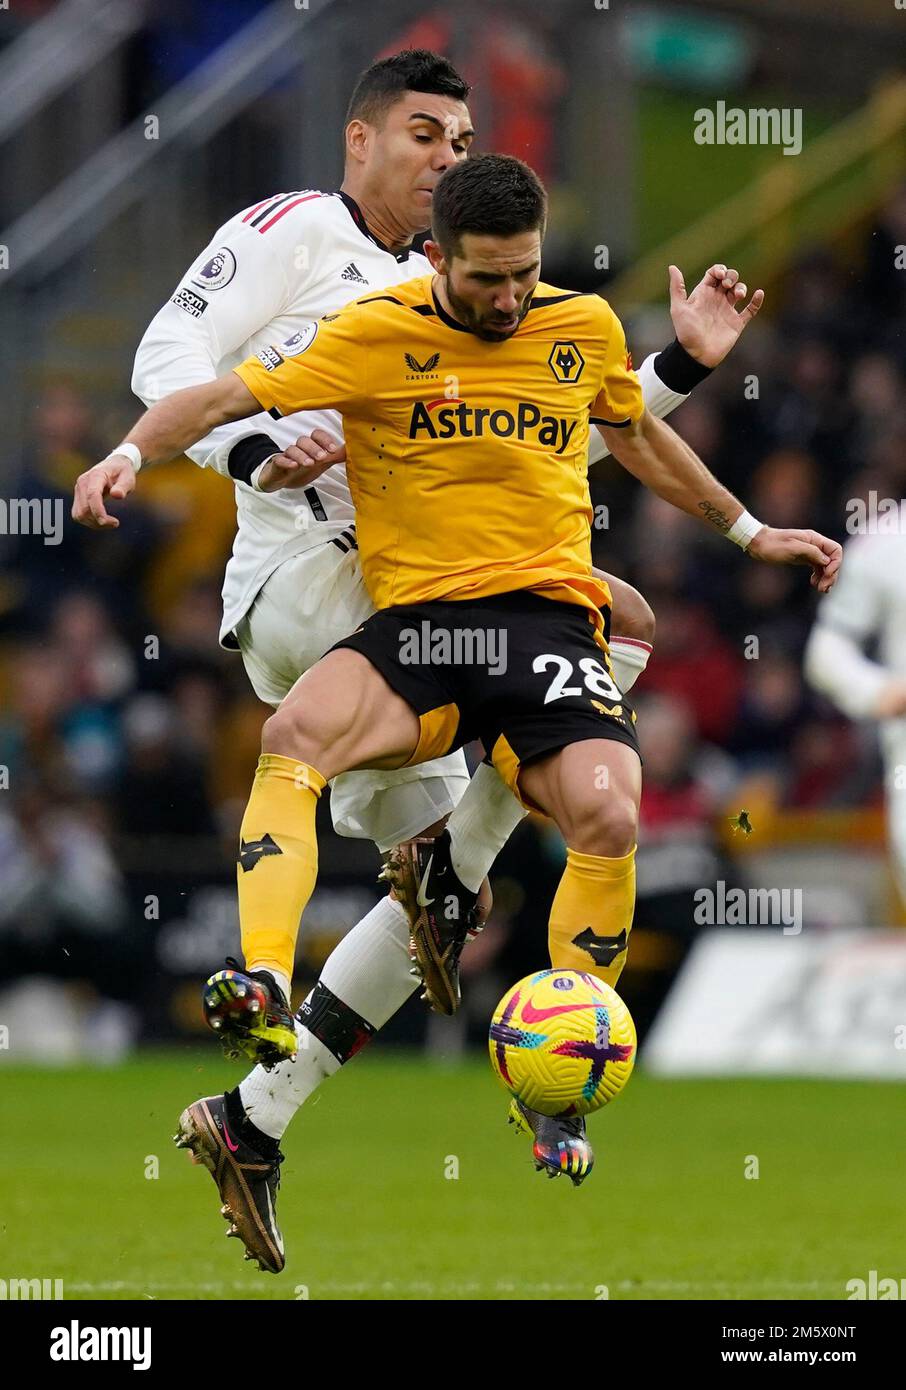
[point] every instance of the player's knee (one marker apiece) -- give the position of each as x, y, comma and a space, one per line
634, 617
605, 826
293, 731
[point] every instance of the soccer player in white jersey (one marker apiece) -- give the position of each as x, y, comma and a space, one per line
293, 585
868, 607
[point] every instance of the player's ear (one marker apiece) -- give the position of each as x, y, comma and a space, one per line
356, 140
436, 257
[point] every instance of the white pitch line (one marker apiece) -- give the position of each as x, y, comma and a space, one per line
588, 1288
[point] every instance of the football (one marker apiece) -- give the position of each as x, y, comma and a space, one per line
562, 1042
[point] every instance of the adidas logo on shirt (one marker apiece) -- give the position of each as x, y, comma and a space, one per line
353, 273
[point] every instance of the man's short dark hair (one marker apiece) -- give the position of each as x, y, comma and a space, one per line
489, 195
413, 70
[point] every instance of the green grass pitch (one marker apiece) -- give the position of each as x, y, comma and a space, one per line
368, 1210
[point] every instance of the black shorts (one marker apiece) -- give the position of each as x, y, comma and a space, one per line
525, 675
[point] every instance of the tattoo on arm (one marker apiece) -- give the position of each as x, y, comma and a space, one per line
715, 516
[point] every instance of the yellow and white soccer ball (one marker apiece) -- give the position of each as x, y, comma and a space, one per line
563, 1042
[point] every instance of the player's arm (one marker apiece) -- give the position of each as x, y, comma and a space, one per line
162, 433
655, 454
330, 371
239, 285
835, 663
708, 324
181, 348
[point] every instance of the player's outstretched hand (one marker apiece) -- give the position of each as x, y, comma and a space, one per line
302, 462
785, 547
708, 323
113, 478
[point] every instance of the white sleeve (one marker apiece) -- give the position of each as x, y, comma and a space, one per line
666, 379
236, 287
850, 615
836, 666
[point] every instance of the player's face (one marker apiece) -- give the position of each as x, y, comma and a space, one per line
490, 282
422, 136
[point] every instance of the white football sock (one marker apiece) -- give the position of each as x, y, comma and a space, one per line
369, 968
285, 984
481, 824
628, 657
271, 1098
369, 972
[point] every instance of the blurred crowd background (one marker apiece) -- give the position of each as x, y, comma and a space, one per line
128, 736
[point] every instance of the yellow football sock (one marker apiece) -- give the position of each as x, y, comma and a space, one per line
278, 860
591, 914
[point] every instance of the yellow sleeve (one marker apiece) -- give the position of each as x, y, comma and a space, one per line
619, 400
322, 366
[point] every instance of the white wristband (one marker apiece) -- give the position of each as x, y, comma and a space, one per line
129, 451
256, 472
743, 529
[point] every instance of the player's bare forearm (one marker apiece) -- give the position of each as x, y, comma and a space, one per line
166, 430
654, 453
172, 425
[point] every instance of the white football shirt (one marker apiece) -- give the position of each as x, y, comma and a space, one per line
867, 604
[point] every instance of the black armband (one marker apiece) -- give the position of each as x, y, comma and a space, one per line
678, 371
245, 456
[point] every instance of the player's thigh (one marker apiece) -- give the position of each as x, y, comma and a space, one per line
341, 715
632, 614
393, 641
591, 790
560, 732
388, 807
307, 605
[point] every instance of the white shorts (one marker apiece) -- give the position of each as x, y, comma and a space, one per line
309, 603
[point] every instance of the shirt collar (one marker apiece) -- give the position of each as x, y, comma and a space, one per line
358, 217
444, 317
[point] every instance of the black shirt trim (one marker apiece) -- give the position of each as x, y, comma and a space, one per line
272, 207
445, 317
556, 299
533, 304
358, 217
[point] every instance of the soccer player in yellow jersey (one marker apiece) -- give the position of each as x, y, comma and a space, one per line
467, 400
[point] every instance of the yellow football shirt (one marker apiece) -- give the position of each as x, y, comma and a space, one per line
467, 460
